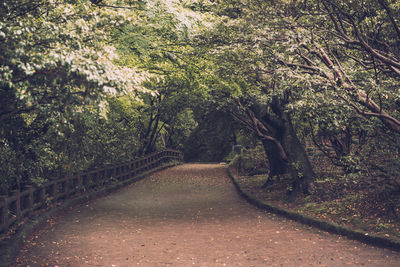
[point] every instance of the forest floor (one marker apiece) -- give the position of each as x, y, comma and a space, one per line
354, 202
188, 215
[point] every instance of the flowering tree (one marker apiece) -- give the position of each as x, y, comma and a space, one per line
57, 66
56, 53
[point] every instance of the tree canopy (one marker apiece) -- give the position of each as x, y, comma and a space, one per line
87, 83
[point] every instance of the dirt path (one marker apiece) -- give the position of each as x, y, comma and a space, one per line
188, 215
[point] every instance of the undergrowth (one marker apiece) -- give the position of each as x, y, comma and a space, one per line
359, 201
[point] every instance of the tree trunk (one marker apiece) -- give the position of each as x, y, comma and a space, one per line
151, 141
296, 163
277, 166
299, 164
284, 150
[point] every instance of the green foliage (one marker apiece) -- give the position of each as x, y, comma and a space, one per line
55, 54
254, 159
212, 139
63, 67
84, 85
8, 167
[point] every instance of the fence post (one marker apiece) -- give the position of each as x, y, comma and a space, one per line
84, 182
29, 203
4, 212
53, 190
17, 203
131, 169
78, 187
42, 196
94, 179
67, 185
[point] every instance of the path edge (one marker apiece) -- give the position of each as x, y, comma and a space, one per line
9, 248
332, 228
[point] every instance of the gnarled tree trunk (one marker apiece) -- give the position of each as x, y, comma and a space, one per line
277, 124
277, 166
299, 164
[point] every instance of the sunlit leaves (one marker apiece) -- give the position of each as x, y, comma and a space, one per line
62, 46
57, 65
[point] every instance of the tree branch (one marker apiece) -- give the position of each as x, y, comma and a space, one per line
385, 5
262, 131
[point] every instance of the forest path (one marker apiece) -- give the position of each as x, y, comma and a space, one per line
188, 215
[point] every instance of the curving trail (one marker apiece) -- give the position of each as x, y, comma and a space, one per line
189, 215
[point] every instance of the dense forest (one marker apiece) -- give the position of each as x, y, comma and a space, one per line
89, 83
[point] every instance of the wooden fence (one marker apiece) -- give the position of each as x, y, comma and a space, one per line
20, 205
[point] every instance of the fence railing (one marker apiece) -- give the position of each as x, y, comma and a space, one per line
21, 204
